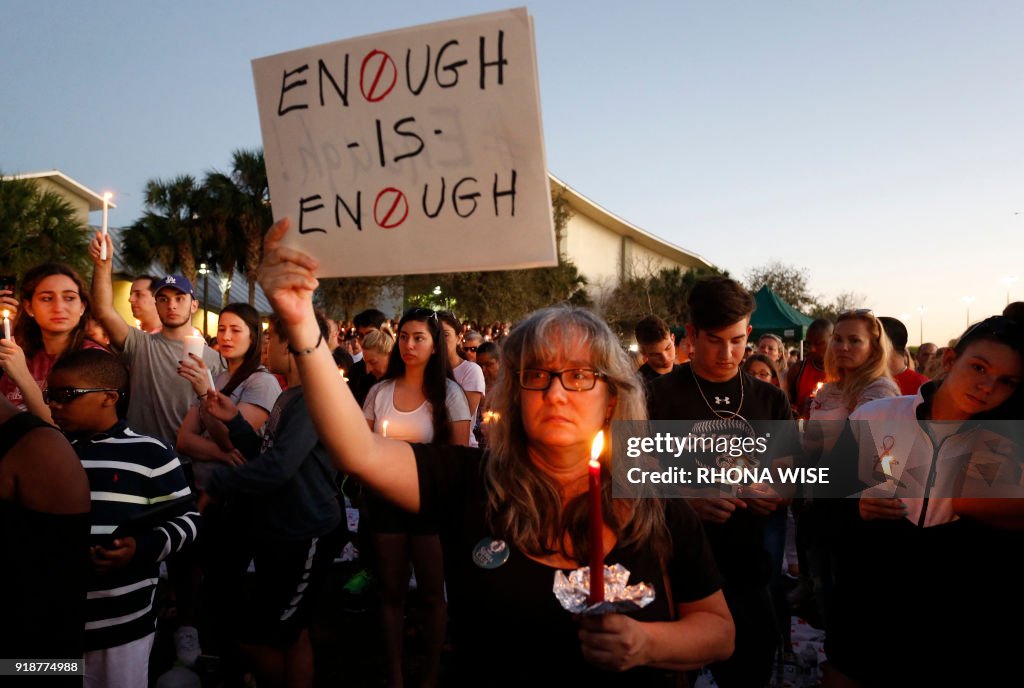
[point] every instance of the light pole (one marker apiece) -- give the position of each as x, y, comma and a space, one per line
968, 300
921, 310
1008, 281
205, 272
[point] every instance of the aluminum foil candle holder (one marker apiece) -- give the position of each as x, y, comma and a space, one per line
573, 591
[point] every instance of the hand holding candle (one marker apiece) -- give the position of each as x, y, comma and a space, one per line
596, 522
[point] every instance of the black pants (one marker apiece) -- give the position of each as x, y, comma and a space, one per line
756, 637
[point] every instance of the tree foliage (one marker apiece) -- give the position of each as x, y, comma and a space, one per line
168, 231
39, 226
663, 293
790, 283
830, 310
486, 297
239, 202
220, 221
343, 297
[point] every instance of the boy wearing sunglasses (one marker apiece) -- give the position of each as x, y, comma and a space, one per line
129, 475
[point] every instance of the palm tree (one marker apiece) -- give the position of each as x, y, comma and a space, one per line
168, 231
38, 227
239, 213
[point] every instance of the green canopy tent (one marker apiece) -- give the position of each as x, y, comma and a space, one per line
775, 316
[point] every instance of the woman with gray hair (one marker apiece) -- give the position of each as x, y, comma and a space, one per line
513, 516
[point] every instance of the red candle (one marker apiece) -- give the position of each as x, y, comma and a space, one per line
596, 523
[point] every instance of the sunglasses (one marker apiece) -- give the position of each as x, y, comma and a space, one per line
65, 395
856, 312
423, 313
471, 349
997, 326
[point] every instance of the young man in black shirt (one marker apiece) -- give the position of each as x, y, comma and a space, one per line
711, 387
656, 343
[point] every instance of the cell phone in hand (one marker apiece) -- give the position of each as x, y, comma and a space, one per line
8, 282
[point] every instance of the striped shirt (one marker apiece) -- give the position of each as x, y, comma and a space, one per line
128, 475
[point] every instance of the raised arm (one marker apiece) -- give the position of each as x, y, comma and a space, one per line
103, 292
387, 466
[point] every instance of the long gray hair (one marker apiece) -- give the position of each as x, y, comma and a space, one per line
524, 504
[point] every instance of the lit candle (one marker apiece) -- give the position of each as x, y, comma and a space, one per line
887, 465
103, 230
209, 378
596, 522
384, 427
7, 324
341, 371
138, 324
817, 389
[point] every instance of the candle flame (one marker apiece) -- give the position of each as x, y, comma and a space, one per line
491, 417
341, 371
7, 314
887, 465
385, 428
597, 447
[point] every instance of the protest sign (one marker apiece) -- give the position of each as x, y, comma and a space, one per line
412, 151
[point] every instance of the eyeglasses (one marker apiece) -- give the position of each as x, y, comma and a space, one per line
65, 395
573, 380
471, 349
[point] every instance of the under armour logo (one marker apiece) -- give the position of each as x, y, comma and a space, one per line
722, 400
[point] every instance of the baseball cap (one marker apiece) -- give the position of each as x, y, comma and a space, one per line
179, 282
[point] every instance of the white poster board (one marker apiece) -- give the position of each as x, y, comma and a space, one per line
411, 151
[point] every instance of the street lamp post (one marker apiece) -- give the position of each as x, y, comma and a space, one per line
921, 310
968, 300
1008, 281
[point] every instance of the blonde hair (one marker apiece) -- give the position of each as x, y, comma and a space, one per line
524, 504
381, 341
852, 382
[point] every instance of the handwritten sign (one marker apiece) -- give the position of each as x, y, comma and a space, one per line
412, 151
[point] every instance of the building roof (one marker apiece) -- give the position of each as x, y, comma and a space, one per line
60, 179
585, 206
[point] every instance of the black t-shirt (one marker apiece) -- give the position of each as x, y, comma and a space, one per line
738, 543
507, 627
44, 566
649, 374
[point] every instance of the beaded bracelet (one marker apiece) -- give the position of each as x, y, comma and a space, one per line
307, 350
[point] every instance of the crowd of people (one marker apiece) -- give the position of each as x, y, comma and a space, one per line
131, 455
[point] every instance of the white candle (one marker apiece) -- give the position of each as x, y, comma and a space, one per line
209, 378
192, 345
7, 324
384, 426
103, 229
